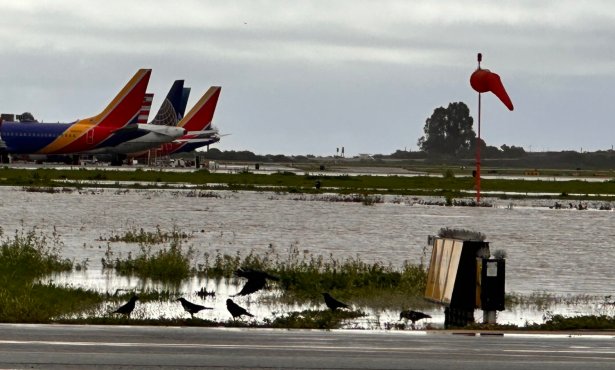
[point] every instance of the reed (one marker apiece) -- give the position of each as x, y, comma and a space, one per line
171, 264
25, 257
303, 276
141, 236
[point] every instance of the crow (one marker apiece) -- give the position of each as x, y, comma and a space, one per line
127, 308
192, 308
333, 303
413, 316
256, 280
236, 310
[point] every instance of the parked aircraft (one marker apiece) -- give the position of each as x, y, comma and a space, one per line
197, 123
141, 137
81, 135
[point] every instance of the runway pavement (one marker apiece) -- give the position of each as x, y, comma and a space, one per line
102, 347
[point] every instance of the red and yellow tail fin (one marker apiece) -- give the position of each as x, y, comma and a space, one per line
126, 105
201, 115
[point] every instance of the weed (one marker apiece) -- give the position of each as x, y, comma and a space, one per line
170, 264
147, 237
309, 319
25, 257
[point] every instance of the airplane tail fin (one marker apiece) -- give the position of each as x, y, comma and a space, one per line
145, 108
126, 105
185, 96
201, 115
170, 111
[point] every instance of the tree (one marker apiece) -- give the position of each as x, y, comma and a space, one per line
448, 130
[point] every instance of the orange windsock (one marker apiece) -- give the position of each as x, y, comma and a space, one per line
483, 80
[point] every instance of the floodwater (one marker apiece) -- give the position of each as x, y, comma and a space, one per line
566, 252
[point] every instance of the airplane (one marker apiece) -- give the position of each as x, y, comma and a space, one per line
142, 137
81, 135
197, 123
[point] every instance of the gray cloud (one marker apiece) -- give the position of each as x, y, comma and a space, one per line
310, 76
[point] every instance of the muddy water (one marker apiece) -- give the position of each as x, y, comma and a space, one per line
561, 251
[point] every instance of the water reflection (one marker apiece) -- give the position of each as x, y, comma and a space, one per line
266, 306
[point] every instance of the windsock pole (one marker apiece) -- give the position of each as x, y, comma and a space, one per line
478, 143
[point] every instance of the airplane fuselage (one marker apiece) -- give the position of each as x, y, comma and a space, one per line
51, 138
145, 137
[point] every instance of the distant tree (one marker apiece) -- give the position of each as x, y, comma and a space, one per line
448, 130
512, 151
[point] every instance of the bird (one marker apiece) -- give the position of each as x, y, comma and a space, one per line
256, 280
413, 316
236, 310
333, 303
127, 308
192, 308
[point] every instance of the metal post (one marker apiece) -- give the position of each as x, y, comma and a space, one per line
478, 143
489, 317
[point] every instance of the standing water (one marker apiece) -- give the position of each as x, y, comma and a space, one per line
557, 251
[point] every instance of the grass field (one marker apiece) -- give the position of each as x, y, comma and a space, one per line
449, 185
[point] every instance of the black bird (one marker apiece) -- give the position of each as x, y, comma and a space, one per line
413, 316
236, 310
192, 308
256, 280
127, 308
333, 303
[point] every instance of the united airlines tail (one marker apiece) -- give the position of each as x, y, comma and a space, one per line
170, 112
185, 96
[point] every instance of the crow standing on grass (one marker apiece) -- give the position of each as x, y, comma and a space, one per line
127, 308
413, 316
236, 310
333, 303
192, 308
256, 280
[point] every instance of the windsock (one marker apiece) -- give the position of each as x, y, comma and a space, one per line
483, 80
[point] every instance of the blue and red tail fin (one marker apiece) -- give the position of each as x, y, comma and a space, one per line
201, 115
126, 105
168, 114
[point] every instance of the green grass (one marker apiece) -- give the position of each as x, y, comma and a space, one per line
309, 319
451, 186
560, 322
25, 257
170, 264
147, 237
303, 277
28, 255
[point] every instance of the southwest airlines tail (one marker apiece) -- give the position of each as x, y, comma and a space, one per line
201, 115
86, 134
126, 105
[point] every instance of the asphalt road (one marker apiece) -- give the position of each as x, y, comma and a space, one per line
102, 347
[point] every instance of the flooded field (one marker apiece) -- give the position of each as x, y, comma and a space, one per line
566, 252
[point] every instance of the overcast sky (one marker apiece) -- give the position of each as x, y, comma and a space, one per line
307, 77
